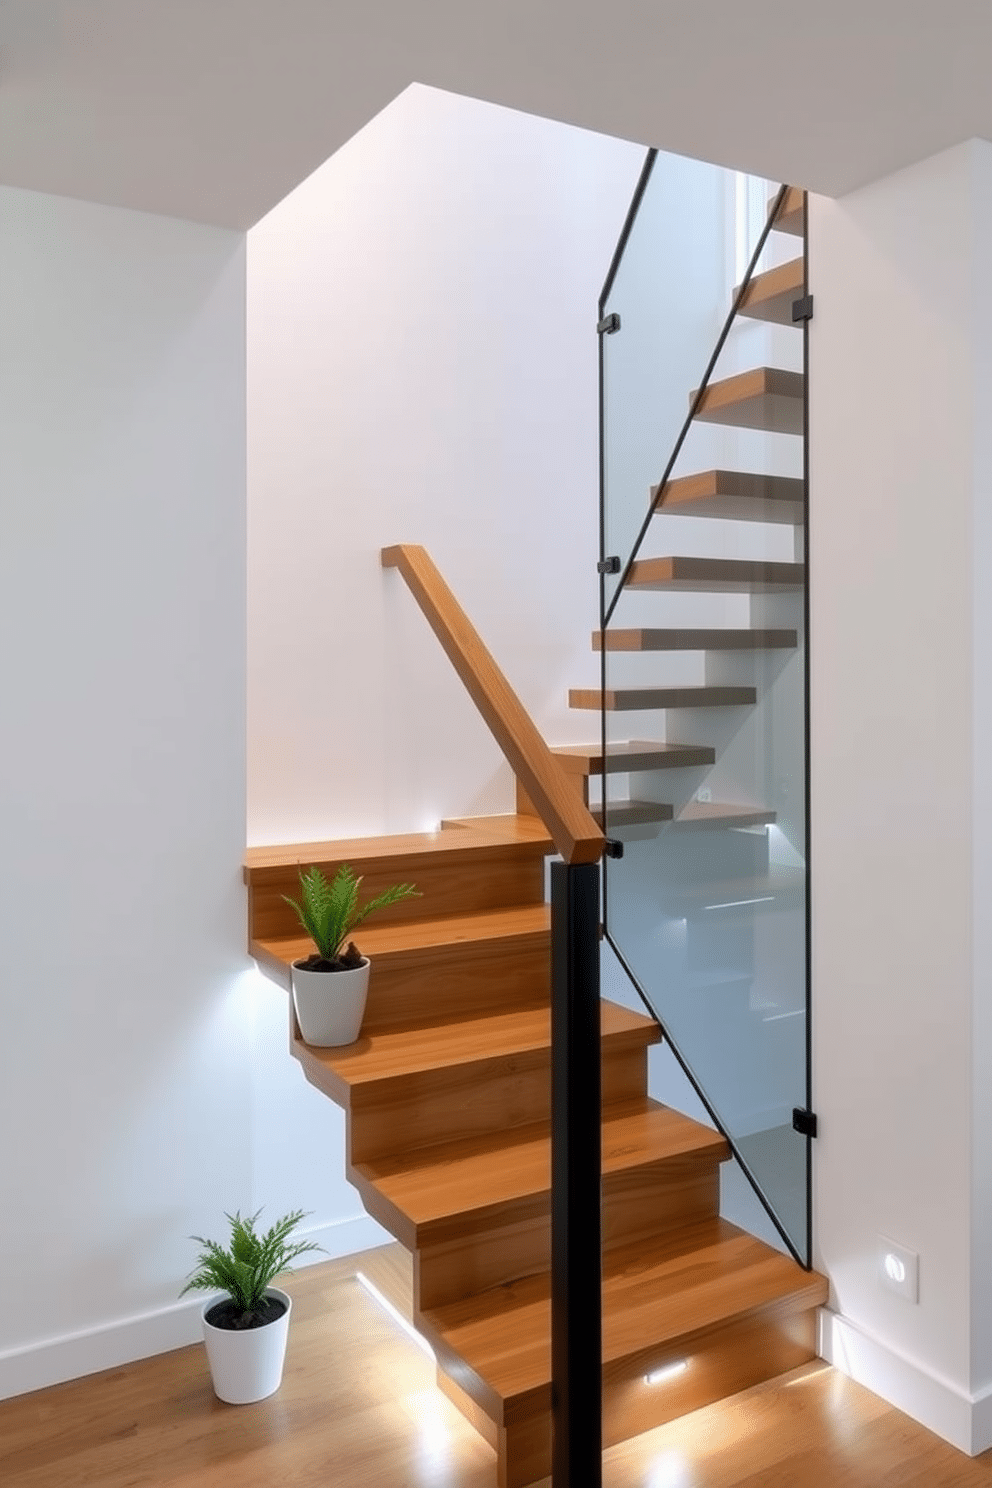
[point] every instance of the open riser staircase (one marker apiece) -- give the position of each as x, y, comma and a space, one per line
447, 1091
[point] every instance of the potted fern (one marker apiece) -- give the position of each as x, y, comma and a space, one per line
245, 1332
331, 986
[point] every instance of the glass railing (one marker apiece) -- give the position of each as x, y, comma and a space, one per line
704, 651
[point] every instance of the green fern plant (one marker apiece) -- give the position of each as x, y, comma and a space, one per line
329, 913
250, 1263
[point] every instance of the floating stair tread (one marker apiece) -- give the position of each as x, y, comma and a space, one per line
723, 814
778, 883
394, 1054
790, 216
460, 1187
723, 639
629, 699
763, 398
634, 813
531, 922
715, 575
657, 1299
734, 494
407, 848
587, 759
770, 295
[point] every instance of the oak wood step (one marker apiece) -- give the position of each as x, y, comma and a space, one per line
723, 639
705, 814
515, 827
472, 964
736, 495
458, 1188
630, 699
715, 575
587, 759
734, 1310
457, 872
763, 398
790, 217
633, 813
418, 1086
770, 295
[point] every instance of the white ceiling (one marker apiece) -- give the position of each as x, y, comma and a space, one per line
214, 110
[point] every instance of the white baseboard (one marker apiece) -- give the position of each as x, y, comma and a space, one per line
963, 1420
109, 1345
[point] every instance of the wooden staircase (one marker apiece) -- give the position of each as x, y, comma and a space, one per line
447, 1094
447, 1091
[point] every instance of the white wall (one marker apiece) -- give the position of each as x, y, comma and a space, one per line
901, 547
124, 1062
422, 368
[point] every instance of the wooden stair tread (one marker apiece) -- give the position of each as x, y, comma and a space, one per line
657, 1298
633, 813
407, 848
715, 575
505, 928
506, 828
379, 941
587, 759
457, 1187
770, 295
790, 215
629, 699
734, 494
763, 398
721, 639
394, 1054
723, 814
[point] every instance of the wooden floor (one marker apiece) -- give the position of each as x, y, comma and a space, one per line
358, 1407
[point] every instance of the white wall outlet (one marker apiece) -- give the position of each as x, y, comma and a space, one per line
899, 1269
704, 793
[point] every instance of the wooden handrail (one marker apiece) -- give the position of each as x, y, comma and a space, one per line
572, 828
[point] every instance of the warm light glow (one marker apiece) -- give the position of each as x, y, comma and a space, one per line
666, 1372
394, 1313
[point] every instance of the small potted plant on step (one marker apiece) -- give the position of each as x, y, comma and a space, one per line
330, 987
246, 1332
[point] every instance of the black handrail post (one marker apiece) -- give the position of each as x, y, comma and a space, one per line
576, 1180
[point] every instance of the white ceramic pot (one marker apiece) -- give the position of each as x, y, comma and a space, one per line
330, 1005
247, 1365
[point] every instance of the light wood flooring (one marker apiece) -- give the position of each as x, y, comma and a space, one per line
358, 1407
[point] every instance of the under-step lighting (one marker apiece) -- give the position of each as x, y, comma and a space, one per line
394, 1312
736, 903
666, 1372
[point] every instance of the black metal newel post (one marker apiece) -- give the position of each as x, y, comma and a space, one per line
576, 1160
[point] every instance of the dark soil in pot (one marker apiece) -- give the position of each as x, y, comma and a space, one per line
348, 960
228, 1314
